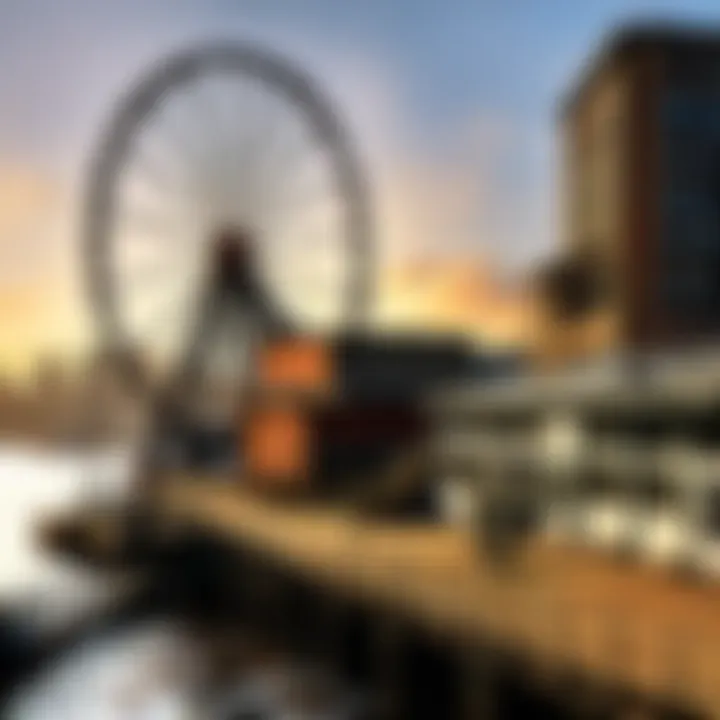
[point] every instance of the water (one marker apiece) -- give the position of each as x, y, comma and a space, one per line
142, 671
150, 669
130, 672
157, 671
37, 483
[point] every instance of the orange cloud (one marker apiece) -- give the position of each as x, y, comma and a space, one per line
22, 318
464, 296
29, 206
34, 279
22, 193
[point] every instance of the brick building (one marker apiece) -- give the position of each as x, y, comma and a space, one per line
641, 185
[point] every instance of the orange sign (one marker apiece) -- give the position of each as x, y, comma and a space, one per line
277, 443
298, 364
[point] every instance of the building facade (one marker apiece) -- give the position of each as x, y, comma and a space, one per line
641, 168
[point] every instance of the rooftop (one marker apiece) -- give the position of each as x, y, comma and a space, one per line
628, 39
668, 379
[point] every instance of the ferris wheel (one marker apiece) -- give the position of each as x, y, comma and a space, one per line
225, 135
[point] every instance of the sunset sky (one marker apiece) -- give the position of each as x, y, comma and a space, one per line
452, 104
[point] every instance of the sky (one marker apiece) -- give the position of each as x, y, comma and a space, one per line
452, 104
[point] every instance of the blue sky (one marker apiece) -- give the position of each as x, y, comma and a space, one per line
430, 68
452, 58
452, 103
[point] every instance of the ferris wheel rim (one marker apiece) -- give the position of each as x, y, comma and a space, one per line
286, 81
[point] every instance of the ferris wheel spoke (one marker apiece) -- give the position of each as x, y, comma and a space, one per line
300, 189
248, 166
218, 175
253, 195
176, 281
251, 130
180, 137
307, 211
186, 132
160, 177
160, 147
292, 264
151, 223
166, 321
295, 275
300, 285
158, 276
153, 202
275, 170
239, 197
267, 146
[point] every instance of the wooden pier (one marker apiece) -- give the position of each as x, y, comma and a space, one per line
590, 626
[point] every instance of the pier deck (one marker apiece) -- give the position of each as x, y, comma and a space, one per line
561, 608
634, 627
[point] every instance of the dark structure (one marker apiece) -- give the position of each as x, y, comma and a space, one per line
641, 152
360, 417
641, 137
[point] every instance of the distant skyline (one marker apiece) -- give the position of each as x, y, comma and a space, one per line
452, 103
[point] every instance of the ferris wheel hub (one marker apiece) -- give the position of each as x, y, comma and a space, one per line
233, 255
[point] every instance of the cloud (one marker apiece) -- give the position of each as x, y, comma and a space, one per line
457, 294
28, 212
37, 283
456, 225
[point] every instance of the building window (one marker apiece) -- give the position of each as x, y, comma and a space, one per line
712, 513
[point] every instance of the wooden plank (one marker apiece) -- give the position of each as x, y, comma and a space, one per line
620, 624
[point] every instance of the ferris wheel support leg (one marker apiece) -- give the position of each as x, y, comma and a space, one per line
208, 322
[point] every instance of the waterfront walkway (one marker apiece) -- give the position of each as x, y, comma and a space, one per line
560, 608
